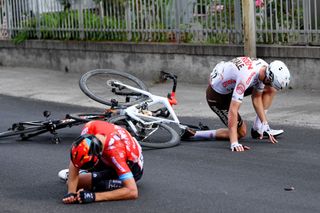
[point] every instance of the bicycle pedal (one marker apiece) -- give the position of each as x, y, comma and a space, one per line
56, 140
46, 113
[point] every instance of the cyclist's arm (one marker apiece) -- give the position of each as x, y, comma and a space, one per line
233, 121
73, 179
127, 192
258, 105
237, 97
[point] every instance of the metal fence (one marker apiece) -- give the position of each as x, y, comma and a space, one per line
197, 21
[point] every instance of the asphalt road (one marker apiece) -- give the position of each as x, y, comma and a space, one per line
192, 177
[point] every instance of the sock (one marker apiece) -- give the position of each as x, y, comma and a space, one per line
257, 122
205, 134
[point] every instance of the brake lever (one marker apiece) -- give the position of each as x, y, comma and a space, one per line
167, 75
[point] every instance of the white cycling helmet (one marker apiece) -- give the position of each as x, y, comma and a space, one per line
278, 74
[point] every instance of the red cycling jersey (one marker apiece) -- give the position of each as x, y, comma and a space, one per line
120, 147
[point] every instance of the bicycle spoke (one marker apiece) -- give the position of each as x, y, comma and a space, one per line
101, 86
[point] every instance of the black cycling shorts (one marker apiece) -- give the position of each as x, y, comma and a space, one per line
109, 173
220, 103
102, 173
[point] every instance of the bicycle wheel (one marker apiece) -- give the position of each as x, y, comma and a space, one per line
152, 136
23, 129
96, 84
29, 129
86, 117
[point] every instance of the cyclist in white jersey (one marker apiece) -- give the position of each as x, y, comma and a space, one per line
229, 82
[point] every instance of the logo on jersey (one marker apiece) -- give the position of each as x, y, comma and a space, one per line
213, 74
247, 61
241, 62
240, 88
85, 131
250, 77
238, 63
229, 82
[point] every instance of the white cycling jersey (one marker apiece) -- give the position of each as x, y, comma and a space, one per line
236, 76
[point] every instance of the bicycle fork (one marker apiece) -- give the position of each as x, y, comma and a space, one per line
52, 130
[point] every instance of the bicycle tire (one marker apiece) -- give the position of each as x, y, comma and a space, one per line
94, 85
23, 128
28, 129
86, 117
171, 137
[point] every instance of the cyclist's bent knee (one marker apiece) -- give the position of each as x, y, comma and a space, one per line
242, 130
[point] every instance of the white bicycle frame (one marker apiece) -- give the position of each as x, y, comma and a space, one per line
135, 111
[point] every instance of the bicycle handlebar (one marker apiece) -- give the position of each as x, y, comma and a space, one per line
171, 96
166, 75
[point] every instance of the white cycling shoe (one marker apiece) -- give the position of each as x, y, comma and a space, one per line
64, 174
274, 132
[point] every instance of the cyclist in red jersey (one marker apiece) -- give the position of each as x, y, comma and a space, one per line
229, 83
106, 161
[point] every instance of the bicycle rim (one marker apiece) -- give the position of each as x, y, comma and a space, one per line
95, 84
22, 130
153, 136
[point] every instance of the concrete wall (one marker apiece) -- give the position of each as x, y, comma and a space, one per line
192, 63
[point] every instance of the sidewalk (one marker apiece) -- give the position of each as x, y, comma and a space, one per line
292, 107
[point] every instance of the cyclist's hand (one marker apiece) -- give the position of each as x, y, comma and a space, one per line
265, 128
237, 147
272, 139
70, 198
85, 196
